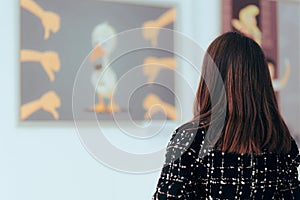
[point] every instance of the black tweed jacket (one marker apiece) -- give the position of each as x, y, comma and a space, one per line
218, 175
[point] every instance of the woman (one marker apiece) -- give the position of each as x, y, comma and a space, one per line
237, 146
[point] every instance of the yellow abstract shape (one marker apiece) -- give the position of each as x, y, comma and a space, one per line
49, 102
150, 32
151, 28
49, 60
279, 84
153, 104
51, 23
153, 66
49, 20
247, 23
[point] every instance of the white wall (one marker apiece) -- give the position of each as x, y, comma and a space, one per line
46, 162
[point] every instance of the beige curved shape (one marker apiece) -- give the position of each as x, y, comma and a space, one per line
247, 23
153, 66
50, 20
286, 75
49, 102
151, 28
153, 104
279, 84
237, 24
49, 60
271, 70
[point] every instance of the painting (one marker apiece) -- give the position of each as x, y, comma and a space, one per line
71, 61
274, 26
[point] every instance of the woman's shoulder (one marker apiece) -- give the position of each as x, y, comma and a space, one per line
186, 139
188, 128
188, 135
294, 153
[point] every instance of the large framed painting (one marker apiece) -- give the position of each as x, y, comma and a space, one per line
275, 26
73, 60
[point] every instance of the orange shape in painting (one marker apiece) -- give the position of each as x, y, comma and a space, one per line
49, 102
153, 66
49, 60
151, 28
153, 104
49, 20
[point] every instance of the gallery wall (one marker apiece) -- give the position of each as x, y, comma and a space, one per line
49, 161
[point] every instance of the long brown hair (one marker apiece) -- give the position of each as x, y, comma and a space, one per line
252, 122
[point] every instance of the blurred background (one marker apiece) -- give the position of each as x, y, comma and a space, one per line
45, 156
